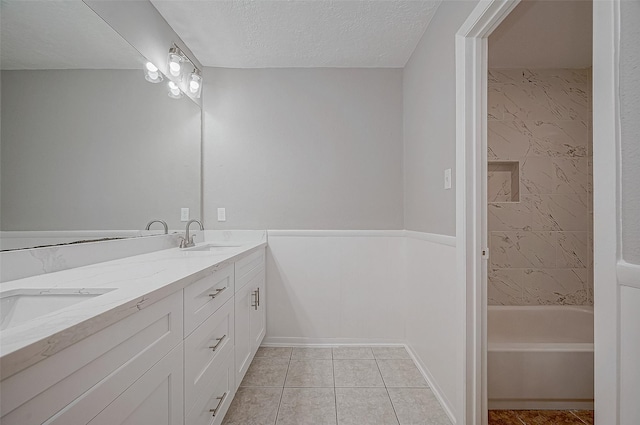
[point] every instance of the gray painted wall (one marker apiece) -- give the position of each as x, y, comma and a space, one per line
429, 123
630, 129
303, 148
95, 149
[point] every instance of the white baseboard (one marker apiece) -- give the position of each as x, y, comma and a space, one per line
327, 342
437, 391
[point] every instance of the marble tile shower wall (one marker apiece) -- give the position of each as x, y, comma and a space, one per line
540, 220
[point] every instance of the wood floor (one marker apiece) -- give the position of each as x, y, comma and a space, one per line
541, 417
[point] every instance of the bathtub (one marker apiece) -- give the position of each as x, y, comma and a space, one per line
540, 357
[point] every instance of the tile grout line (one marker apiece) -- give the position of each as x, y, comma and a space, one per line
283, 383
386, 389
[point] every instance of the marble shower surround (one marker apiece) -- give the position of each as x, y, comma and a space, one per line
541, 246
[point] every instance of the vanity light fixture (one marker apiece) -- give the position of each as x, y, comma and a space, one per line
195, 83
174, 90
178, 64
151, 73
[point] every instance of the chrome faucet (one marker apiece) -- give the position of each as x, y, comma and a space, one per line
164, 223
187, 241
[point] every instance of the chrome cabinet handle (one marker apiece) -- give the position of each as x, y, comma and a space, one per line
258, 291
215, 347
222, 398
218, 292
254, 304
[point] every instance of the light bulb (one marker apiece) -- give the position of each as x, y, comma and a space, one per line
175, 62
151, 67
195, 83
151, 73
174, 90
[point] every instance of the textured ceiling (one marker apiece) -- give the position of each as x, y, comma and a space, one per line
544, 34
54, 34
299, 33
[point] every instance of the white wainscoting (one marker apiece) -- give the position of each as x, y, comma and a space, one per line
327, 287
433, 315
629, 280
335, 287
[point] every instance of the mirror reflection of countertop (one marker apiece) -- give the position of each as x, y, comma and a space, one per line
133, 283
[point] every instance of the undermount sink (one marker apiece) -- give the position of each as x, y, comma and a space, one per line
21, 305
214, 246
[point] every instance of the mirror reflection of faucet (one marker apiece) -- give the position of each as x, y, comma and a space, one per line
164, 223
187, 241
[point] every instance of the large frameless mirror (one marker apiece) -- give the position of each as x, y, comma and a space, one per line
88, 146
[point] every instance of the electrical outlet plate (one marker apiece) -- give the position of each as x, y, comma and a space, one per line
184, 214
447, 178
222, 214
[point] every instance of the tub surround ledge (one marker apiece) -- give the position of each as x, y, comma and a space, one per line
135, 282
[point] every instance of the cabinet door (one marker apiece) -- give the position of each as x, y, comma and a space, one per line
155, 398
258, 316
244, 304
74, 385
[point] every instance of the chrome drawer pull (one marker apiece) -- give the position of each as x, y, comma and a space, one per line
214, 411
255, 302
214, 347
218, 291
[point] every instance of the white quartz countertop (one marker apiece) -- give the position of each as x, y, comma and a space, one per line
135, 283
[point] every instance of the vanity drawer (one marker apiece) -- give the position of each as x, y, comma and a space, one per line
205, 351
216, 397
205, 296
249, 267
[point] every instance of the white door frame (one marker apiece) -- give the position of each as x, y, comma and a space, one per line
471, 195
606, 202
471, 232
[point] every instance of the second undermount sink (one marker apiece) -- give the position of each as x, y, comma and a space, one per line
21, 305
215, 247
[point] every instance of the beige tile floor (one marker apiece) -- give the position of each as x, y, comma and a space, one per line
334, 386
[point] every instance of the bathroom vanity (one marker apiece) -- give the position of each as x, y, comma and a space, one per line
159, 338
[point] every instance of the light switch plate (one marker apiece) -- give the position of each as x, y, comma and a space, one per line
184, 214
447, 178
222, 214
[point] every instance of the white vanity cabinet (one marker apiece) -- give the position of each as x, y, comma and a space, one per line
250, 315
178, 361
75, 385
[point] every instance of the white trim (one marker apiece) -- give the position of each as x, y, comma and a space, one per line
628, 274
606, 201
337, 233
471, 119
328, 342
431, 237
435, 388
